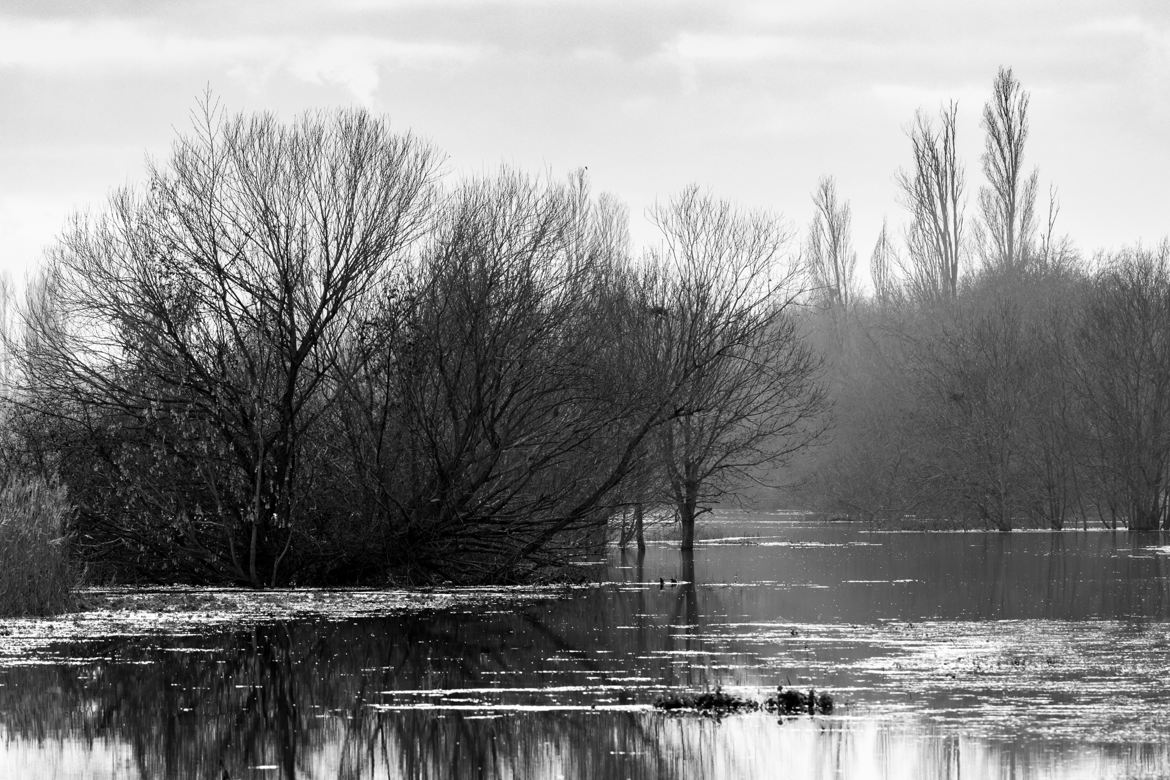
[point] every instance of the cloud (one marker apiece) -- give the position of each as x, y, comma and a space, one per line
67, 46
355, 63
96, 48
1129, 25
737, 48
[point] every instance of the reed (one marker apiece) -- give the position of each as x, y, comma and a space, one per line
37, 576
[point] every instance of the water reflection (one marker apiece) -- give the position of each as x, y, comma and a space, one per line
972, 655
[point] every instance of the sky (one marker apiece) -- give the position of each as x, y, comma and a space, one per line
752, 100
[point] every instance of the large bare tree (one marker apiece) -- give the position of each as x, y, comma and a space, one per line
188, 331
498, 406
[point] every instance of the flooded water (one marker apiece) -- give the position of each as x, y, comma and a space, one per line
948, 654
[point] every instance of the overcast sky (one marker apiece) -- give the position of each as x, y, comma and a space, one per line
755, 100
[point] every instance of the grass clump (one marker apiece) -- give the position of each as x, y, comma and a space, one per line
36, 574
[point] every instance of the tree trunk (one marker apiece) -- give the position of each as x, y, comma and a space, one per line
686, 515
688, 596
639, 534
1145, 517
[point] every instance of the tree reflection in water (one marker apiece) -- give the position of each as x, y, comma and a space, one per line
298, 697
558, 687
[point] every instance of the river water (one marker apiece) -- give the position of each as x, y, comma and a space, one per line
949, 655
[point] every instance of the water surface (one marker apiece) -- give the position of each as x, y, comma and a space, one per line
949, 654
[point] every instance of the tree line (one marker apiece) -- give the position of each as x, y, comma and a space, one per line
995, 377
299, 353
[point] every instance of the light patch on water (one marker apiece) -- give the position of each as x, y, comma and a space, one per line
768, 583
190, 612
439, 692
757, 541
512, 708
984, 531
1099, 681
819, 544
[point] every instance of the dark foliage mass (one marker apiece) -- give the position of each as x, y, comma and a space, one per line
297, 354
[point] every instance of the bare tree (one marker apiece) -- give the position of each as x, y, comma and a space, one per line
743, 384
829, 249
189, 331
1124, 375
881, 264
984, 373
1007, 202
1054, 252
933, 194
497, 410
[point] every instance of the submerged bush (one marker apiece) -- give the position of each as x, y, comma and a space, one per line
36, 576
715, 703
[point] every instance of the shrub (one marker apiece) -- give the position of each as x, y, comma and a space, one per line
36, 575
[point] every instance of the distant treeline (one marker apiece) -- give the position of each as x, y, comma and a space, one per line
1035, 396
298, 353
995, 378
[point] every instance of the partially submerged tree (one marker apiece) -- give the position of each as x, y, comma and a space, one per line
743, 383
497, 410
985, 392
933, 194
184, 335
1124, 374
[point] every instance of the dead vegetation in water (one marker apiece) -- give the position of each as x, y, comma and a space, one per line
717, 703
794, 702
714, 703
